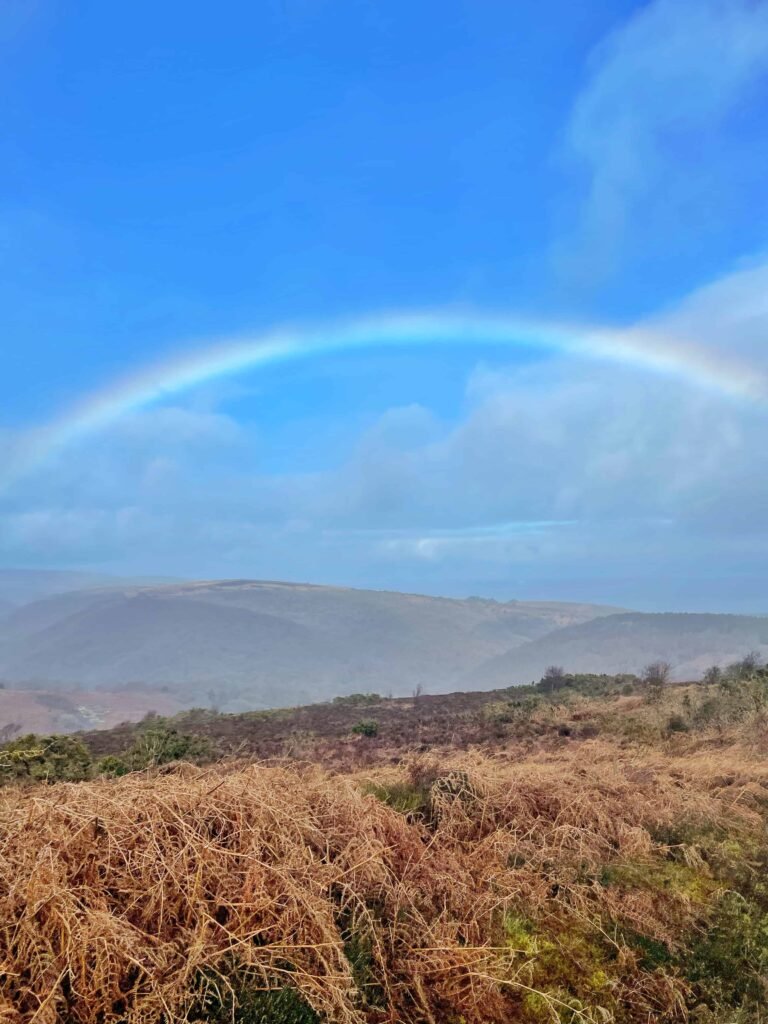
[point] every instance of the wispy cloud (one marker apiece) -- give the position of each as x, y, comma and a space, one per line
658, 87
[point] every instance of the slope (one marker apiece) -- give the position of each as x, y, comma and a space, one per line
627, 642
248, 643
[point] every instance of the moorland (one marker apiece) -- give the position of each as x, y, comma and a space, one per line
588, 848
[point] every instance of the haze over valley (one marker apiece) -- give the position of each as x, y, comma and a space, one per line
108, 650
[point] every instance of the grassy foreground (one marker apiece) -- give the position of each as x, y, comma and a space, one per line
614, 877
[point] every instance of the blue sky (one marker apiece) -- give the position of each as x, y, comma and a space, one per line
170, 178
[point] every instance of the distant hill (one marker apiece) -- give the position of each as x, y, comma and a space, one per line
626, 642
244, 643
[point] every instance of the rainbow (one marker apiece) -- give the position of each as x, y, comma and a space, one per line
640, 347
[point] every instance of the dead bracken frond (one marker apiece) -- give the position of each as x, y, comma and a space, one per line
554, 887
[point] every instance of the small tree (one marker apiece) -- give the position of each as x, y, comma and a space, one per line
8, 731
713, 675
655, 677
553, 678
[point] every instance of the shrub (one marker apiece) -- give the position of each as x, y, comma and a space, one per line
734, 700
747, 667
8, 731
111, 765
585, 684
367, 728
161, 744
656, 677
359, 951
676, 723
45, 759
512, 712
358, 698
588, 731
280, 1006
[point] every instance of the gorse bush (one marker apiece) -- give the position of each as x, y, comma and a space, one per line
111, 765
735, 699
587, 684
746, 668
162, 744
60, 758
367, 728
156, 744
45, 759
403, 796
513, 712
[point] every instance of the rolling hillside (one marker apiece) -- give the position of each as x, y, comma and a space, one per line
242, 644
248, 644
628, 641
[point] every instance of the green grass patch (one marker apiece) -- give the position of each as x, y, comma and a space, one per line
358, 949
242, 1002
401, 796
659, 876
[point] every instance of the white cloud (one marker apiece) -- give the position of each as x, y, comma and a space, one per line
729, 315
597, 445
174, 425
555, 470
564, 464
658, 88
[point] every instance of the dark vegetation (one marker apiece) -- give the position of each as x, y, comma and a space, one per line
584, 849
561, 705
330, 732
